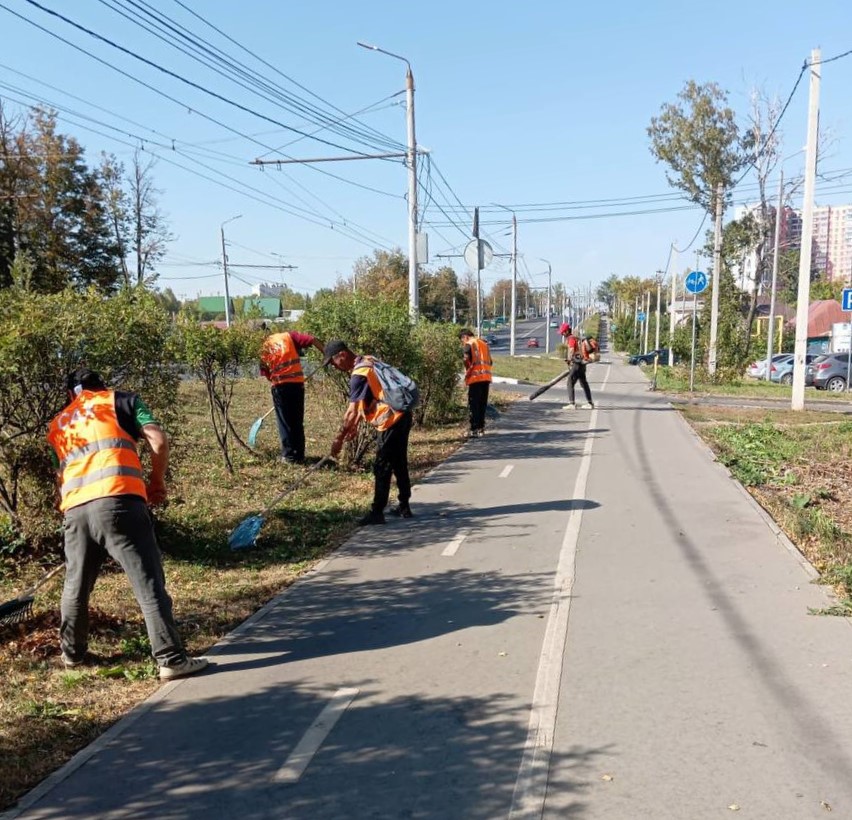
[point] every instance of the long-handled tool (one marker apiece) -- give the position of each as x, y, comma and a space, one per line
246, 532
550, 384
20, 608
258, 422
255, 428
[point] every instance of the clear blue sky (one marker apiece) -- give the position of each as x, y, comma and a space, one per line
534, 102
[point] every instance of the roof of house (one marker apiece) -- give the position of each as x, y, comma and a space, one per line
822, 314
268, 306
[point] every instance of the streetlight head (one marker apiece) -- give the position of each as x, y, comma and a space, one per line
367, 45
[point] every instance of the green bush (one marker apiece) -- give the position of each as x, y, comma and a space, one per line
428, 352
43, 337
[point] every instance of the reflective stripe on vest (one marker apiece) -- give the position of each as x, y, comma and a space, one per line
381, 415
97, 457
281, 358
480, 363
95, 446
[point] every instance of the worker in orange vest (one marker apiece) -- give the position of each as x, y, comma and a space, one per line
104, 498
367, 402
280, 364
477, 377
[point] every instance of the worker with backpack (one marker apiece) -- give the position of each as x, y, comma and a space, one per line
578, 355
384, 397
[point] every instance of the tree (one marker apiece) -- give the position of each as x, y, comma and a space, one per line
698, 138
53, 208
150, 232
607, 291
437, 292
384, 274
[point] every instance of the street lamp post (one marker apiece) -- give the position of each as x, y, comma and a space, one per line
514, 278
225, 269
547, 311
411, 162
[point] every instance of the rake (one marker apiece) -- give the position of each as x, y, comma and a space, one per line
246, 532
254, 430
19, 609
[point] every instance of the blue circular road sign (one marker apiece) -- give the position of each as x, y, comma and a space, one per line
696, 281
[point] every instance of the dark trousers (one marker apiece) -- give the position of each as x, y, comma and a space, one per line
477, 401
392, 459
578, 374
119, 526
289, 402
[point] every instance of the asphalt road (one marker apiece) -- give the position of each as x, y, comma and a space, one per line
587, 618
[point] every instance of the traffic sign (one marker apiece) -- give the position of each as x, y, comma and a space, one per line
486, 254
641, 315
847, 299
696, 281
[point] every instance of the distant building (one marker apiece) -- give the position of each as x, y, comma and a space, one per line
210, 307
267, 307
832, 246
269, 289
790, 238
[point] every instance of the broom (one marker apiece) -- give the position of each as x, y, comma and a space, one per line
246, 532
19, 609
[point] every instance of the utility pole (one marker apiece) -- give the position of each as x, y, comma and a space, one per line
770, 339
804, 292
659, 293
717, 281
514, 299
411, 161
647, 317
478, 272
672, 306
547, 311
225, 269
454, 310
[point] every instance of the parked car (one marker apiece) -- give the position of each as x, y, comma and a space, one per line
554, 323
757, 369
782, 370
532, 343
829, 372
648, 358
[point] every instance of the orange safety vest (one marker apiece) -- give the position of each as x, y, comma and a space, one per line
280, 357
97, 457
381, 415
480, 362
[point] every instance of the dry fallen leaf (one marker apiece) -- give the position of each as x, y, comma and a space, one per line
606, 777
502, 654
734, 807
825, 805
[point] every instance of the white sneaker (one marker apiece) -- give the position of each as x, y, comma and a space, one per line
571, 406
588, 406
181, 670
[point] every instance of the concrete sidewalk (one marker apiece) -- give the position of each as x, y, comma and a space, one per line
587, 618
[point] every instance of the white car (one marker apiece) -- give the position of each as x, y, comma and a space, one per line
757, 369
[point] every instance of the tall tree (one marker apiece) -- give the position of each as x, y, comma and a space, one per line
699, 140
150, 231
385, 273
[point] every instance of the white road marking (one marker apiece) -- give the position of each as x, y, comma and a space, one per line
506, 470
301, 756
453, 547
531, 785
